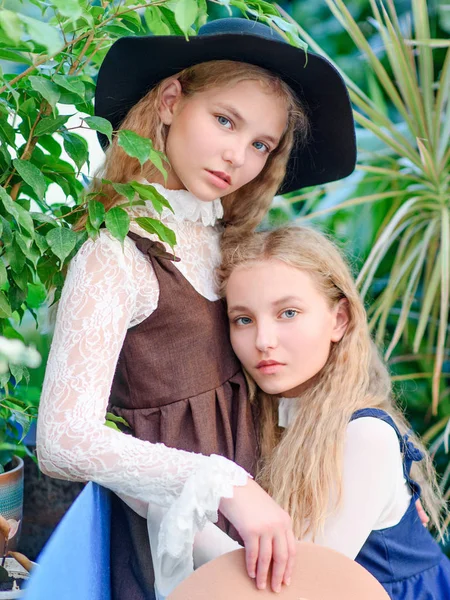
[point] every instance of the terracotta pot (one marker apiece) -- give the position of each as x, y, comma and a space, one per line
11, 499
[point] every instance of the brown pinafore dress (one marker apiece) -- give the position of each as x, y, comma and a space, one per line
177, 382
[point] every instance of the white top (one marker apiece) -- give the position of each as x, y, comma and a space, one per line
108, 290
375, 494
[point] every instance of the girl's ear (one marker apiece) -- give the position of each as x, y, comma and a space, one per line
170, 95
342, 319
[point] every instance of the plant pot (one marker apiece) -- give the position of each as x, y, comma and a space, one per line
11, 499
20, 575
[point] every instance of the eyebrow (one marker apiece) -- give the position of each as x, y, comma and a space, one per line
284, 300
237, 308
240, 118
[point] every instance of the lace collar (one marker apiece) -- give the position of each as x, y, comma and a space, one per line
188, 207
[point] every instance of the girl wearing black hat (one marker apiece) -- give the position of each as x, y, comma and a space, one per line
240, 114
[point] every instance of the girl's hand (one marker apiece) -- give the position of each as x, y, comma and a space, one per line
422, 514
266, 530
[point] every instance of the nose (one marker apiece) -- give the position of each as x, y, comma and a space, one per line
234, 154
266, 337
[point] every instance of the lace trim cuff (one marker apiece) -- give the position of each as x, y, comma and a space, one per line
197, 504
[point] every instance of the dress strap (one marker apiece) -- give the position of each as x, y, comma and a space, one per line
152, 248
409, 451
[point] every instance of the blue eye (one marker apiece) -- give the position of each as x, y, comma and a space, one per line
289, 313
224, 121
261, 147
243, 321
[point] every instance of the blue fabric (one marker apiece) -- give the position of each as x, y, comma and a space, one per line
75, 563
405, 558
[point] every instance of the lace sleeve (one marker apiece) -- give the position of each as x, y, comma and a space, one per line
100, 298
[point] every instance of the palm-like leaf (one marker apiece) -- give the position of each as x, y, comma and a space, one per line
415, 235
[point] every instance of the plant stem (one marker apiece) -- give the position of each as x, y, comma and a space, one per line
44, 110
74, 67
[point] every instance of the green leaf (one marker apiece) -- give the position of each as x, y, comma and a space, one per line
3, 274
21, 279
100, 124
148, 192
21, 215
96, 211
48, 125
117, 222
125, 189
154, 226
31, 175
90, 230
135, 145
15, 256
71, 83
37, 295
33, 254
61, 241
6, 231
77, 148
185, 14
5, 307
44, 34
112, 425
157, 159
7, 132
46, 88
16, 372
156, 25
11, 25
69, 8
132, 20
115, 419
13, 56
41, 242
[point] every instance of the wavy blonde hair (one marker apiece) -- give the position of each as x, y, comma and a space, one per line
244, 208
301, 467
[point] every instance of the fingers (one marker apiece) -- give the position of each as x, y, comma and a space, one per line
264, 559
422, 514
292, 551
251, 554
280, 560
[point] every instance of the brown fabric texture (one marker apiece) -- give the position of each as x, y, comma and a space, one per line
177, 382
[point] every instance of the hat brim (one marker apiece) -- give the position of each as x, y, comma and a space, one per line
134, 65
319, 574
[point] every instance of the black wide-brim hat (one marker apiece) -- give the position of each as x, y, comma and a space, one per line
134, 65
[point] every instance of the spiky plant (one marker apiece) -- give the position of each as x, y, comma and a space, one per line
412, 296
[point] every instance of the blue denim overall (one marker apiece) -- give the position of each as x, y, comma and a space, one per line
405, 558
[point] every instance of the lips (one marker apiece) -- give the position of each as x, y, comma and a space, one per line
269, 367
224, 176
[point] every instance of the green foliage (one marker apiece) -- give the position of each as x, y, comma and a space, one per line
58, 55
391, 216
17, 410
406, 271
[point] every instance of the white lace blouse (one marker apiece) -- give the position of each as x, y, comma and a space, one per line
108, 290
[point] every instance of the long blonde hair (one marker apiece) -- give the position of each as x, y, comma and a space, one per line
244, 208
301, 467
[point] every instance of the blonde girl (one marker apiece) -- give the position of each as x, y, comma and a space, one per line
336, 451
144, 332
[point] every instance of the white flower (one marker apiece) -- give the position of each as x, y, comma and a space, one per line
15, 352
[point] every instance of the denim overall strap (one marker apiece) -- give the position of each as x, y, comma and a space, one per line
409, 451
